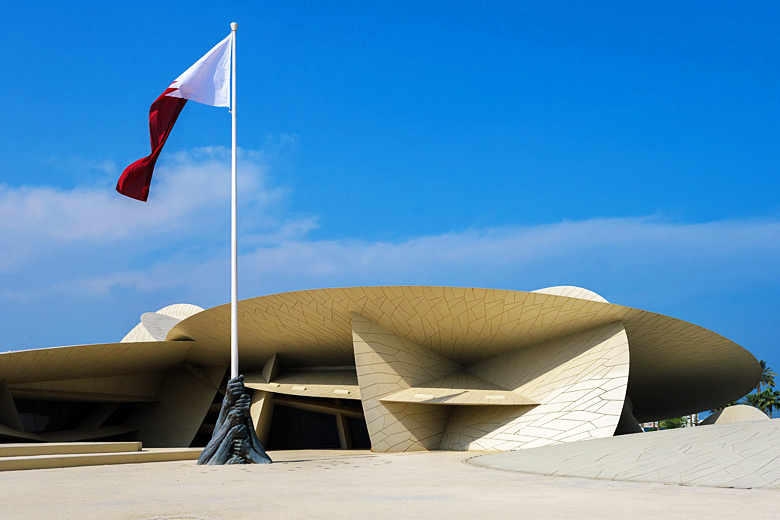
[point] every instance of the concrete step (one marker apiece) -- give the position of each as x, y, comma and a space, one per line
28, 449
98, 459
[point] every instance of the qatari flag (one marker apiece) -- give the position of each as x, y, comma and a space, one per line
207, 82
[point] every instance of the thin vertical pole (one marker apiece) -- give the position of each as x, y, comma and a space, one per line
233, 233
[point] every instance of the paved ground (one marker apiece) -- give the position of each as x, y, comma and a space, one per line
359, 485
741, 455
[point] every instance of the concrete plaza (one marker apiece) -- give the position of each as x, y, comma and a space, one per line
359, 485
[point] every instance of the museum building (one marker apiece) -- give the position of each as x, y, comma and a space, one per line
396, 368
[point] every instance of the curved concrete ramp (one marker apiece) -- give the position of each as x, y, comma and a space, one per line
743, 455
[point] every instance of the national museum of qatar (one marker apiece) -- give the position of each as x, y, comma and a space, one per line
387, 368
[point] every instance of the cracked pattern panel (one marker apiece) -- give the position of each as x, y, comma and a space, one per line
580, 382
677, 367
461, 388
743, 455
571, 291
338, 384
177, 311
386, 364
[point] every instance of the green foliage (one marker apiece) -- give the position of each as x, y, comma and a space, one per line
767, 377
766, 401
752, 400
769, 400
674, 422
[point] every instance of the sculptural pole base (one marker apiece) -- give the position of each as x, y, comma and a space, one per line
234, 440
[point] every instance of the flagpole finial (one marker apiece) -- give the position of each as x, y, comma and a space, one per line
233, 26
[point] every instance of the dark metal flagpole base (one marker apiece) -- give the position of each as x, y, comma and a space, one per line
234, 440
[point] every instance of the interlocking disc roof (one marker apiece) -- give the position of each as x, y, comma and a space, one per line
676, 367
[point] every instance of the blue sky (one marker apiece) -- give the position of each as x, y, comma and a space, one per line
631, 150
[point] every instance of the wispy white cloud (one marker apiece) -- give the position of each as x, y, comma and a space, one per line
603, 254
188, 199
91, 244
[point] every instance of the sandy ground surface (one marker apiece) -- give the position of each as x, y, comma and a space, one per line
337, 484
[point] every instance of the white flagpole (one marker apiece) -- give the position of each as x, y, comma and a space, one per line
233, 234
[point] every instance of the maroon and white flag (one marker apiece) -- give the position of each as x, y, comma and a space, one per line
207, 82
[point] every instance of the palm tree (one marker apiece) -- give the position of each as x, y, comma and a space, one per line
771, 400
767, 376
766, 401
754, 400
